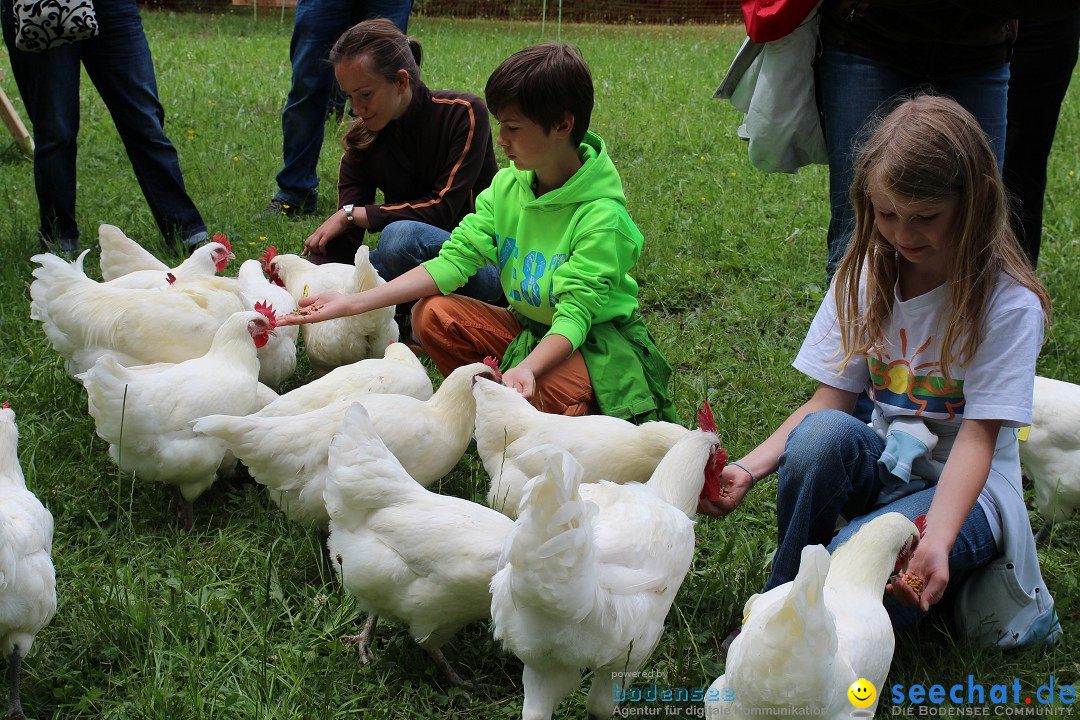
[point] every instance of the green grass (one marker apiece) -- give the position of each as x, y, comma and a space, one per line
234, 620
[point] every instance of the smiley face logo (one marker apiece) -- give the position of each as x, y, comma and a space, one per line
862, 693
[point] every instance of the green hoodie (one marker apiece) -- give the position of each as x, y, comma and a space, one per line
563, 260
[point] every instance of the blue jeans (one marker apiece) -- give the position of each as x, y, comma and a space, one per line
829, 469
318, 24
854, 89
119, 64
406, 243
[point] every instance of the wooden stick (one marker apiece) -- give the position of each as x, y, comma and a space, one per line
15, 125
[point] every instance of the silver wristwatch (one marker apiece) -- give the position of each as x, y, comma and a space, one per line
348, 213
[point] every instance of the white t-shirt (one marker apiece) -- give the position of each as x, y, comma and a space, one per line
904, 376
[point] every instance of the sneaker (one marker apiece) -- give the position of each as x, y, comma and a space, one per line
193, 241
280, 206
67, 248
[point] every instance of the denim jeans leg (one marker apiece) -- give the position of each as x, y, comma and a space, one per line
828, 469
973, 548
986, 96
406, 243
396, 11
852, 90
855, 89
49, 85
317, 25
118, 62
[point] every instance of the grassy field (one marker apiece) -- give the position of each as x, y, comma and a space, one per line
233, 620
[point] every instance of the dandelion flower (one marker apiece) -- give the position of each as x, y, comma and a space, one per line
262, 238
1072, 173
236, 158
733, 173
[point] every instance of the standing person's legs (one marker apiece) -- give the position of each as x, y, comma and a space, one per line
456, 330
853, 89
396, 11
986, 97
317, 26
1042, 63
828, 469
49, 84
118, 61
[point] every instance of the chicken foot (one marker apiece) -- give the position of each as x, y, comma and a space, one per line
362, 642
452, 676
14, 667
184, 513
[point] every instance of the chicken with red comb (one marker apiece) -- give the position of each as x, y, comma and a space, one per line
268, 266
712, 490
492, 363
268, 312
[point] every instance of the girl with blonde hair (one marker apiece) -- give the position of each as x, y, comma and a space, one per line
936, 314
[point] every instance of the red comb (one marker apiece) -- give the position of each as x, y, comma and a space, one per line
492, 363
220, 238
920, 523
711, 490
268, 254
268, 311
705, 419
170, 278
6, 405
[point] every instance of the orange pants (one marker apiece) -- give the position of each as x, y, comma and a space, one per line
455, 330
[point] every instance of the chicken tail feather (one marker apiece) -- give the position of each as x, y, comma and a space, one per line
551, 547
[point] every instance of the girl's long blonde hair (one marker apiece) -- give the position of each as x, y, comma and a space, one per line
930, 149
387, 50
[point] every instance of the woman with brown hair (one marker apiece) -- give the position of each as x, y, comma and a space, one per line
429, 151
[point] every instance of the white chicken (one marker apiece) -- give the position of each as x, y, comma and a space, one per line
126, 263
608, 448
414, 556
27, 579
145, 413
85, 319
277, 359
338, 342
1050, 454
804, 643
590, 570
289, 453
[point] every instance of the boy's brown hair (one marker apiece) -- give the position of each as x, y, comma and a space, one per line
544, 82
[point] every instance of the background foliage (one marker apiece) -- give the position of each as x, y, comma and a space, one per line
235, 620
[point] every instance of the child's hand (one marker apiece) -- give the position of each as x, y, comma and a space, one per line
734, 484
522, 380
324, 306
330, 229
923, 584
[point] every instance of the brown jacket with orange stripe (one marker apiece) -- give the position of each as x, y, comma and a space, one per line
430, 163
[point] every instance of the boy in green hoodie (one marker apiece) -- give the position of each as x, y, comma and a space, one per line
555, 224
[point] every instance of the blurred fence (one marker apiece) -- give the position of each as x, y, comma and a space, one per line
662, 12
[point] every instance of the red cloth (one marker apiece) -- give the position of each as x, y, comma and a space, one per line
768, 20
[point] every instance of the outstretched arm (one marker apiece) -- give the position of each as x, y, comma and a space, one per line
413, 285
765, 458
958, 488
